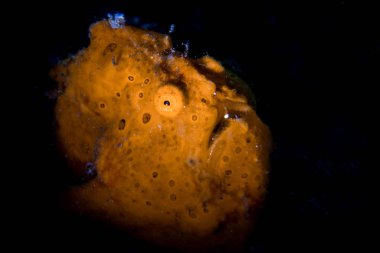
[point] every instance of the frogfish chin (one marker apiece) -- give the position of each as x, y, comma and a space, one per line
170, 149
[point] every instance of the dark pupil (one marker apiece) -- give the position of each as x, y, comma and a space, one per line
167, 103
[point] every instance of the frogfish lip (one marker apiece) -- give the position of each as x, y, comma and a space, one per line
230, 111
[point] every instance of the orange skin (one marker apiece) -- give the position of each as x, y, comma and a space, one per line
180, 154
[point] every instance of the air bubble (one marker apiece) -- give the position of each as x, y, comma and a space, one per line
141, 95
167, 102
228, 172
225, 158
237, 150
173, 197
155, 174
146, 118
131, 78
122, 124
244, 175
194, 117
171, 183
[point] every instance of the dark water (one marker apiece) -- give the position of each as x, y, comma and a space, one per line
312, 69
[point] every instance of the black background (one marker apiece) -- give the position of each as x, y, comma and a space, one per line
312, 67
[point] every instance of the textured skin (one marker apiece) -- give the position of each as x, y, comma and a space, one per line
183, 175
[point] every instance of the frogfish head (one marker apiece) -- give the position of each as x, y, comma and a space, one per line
175, 150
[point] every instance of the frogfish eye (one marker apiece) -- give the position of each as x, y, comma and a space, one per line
168, 101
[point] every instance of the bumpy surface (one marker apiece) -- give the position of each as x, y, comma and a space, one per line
174, 150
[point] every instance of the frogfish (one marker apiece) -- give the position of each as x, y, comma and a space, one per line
170, 148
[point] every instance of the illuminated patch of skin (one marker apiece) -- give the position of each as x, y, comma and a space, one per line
180, 156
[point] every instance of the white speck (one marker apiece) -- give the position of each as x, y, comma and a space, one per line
116, 20
226, 116
186, 45
171, 28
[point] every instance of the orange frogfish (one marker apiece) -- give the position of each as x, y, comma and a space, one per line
174, 149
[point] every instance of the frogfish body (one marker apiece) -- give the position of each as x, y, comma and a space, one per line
172, 148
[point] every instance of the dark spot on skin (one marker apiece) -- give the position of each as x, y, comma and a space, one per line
86, 100
203, 100
148, 203
146, 81
167, 102
102, 105
146, 118
194, 117
173, 197
171, 183
244, 175
141, 95
192, 162
117, 94
122, 124
228, 172
131, 78
205, 209
155, 174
